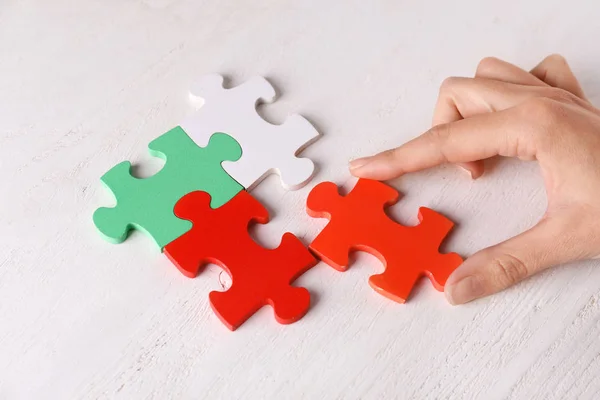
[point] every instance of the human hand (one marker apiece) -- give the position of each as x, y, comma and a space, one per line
540, 115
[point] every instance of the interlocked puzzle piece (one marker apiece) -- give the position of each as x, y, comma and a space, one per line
358, 222
266, 148
260, 276
147, 204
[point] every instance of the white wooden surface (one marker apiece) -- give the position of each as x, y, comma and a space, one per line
86, 84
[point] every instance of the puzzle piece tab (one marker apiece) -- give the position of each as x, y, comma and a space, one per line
266, 148
259, 276
147, 204
358, 222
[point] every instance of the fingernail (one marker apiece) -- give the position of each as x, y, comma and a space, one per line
465, 290
360, 162
468, 171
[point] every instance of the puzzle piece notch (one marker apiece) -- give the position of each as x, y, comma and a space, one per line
267, 148
358, 222
147, 204
259, 276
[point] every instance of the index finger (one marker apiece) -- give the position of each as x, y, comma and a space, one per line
504, 133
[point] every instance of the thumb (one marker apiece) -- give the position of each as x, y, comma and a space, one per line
552, 241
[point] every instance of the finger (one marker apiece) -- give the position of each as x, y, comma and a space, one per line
445, 112
489, 83
465, 97
504, 133
555, 71
551, 242
494, 68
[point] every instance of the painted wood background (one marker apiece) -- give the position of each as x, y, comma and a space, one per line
86, 84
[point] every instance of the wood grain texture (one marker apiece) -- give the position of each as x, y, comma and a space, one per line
87, 84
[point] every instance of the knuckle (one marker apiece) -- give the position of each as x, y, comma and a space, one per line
391, 154
450, 83
486, 64
544, 116
438, 137
560, 95
439, 133
507, 270
541, 109
556, 59
535, 107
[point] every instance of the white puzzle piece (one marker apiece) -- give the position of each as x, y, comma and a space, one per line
266, 148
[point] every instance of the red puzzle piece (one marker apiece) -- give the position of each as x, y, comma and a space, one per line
358, 222
260, 276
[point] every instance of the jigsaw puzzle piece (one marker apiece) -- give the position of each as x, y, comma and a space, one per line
274, 152
147, 204
109, 223
210, 87
267, 148
397, 283
432, 230
358, 222
336, 241
234, 306
259, 276
242, 300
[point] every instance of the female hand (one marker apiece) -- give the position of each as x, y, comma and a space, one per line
504, 110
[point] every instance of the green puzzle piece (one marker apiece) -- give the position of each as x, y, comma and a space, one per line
147, 204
